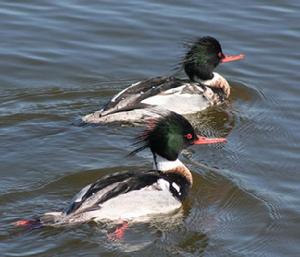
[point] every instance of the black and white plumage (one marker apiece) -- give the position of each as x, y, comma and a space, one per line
124, 196
134, 104
203, 89
138, 196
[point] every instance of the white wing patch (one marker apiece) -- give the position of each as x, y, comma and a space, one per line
140, 203
177, 188
177, 100
78, 197
163, 184
124, 90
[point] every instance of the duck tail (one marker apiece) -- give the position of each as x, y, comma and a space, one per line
47, 219
52, 218
29, 223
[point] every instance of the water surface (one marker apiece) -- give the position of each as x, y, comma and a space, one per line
63, 59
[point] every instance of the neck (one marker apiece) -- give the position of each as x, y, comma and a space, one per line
176, 166
210, 80
205, 76
195, 71
218, 81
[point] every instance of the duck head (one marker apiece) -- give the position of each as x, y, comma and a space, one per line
203, 57
169, 135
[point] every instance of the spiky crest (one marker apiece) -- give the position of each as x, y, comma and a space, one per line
166, 136
202, 58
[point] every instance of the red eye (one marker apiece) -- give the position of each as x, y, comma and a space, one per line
221, 55
188, 136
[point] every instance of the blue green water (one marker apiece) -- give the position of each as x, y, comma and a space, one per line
60, 60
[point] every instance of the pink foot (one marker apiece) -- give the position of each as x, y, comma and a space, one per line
28, 223
118, 234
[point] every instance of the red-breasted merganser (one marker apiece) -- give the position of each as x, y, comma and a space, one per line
203, 89
138, 196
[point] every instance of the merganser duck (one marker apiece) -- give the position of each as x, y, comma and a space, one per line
203, 89
138, 196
